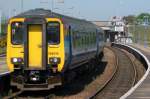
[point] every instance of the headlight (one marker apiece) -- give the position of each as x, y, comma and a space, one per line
54, 60
16, 60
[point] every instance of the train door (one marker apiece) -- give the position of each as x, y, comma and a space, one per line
35, 46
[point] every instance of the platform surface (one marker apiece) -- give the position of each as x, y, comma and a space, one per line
143, 91
3, 66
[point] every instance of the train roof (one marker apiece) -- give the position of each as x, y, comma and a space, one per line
38, 13
49, 14
43, 13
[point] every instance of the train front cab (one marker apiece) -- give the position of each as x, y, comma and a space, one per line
35, 52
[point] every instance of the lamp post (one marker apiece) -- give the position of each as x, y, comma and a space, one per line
58, 9
21, 5
71, 8
58, 1
14, 12
145, 26
52, 5
137, 35
44, 2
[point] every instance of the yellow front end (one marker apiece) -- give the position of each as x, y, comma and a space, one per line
26, 56
13, 50
57, 50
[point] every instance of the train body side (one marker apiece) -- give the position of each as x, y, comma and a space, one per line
82, 43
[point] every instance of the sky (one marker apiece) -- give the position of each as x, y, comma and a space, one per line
85, 9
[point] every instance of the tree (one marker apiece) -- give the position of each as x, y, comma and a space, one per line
131, 19
143, 17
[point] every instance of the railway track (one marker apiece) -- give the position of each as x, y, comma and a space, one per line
81, 85
122, 81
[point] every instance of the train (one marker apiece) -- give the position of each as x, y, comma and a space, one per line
44, 46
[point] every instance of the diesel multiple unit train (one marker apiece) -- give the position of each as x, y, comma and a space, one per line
42, 46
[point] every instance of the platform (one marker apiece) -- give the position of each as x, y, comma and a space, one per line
143, 91
3, 66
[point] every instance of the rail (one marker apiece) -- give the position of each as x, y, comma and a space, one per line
139, 55
99, 90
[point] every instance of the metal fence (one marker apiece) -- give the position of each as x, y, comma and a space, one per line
140, 34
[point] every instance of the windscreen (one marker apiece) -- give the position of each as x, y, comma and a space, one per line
53, 33
17, 33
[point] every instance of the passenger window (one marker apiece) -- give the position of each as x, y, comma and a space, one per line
53, 33
17, 33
